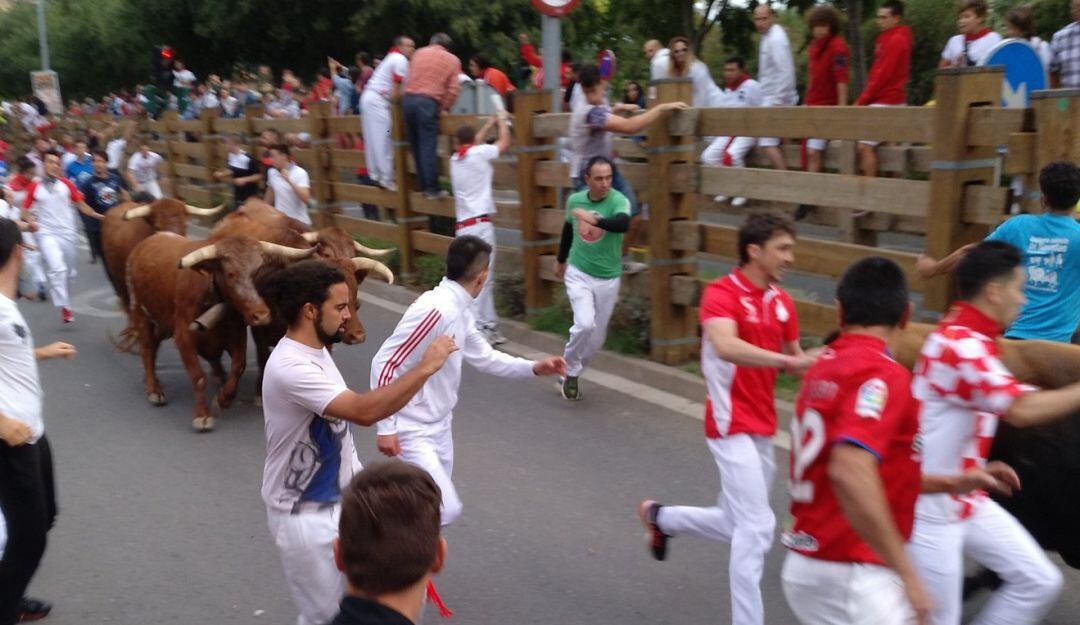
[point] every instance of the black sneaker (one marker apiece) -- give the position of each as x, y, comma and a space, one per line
647, 510
802, 210
31, 609
569, 388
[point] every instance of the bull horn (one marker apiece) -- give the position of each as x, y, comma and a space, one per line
371, 264
137, 212
284, 251
203, 212
363, 249
198, 256
310, 237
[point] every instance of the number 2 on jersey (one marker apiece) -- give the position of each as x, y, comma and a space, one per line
807, 441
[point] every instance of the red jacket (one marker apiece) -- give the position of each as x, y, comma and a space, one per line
528, 52
889, 74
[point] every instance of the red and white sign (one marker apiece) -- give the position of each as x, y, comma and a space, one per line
555, 8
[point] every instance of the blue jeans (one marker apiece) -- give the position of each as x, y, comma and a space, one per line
422, 126
620, 184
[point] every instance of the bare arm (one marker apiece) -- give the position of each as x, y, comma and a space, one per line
269, 197
1040, 407
503, 142
635, 124
928, 267
842, 93
723, 335
85, 209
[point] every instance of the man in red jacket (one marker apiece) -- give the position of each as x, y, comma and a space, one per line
887, 84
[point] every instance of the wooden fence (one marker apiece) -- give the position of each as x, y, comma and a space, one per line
942, 168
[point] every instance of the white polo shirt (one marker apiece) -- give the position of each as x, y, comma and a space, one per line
393, 69
20, 388
470, 176
143, 167
285, 198
776, 68
976, 49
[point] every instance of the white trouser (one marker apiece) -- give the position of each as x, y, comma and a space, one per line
735, 147
305, 542
58, 252
741, 517
484, 305
433, 451
592, 300
996, 540
772, 142
820, 592
32, 275
153, 188
375, 120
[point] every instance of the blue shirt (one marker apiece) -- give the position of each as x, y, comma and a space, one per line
1051, 247
101, 194
79, 171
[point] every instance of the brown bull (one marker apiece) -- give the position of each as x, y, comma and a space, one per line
172, 280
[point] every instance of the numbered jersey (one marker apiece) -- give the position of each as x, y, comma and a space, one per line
855, 394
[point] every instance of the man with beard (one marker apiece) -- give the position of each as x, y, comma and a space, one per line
307, 408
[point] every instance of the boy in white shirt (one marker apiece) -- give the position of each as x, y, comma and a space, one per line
973, 44
288, 187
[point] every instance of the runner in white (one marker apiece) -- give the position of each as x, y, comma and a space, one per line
420, 432
307, 407
384, 86
144, 169
470, 175
739, 90
288, 186
51, 205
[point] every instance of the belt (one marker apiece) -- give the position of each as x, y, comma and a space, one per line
472, 221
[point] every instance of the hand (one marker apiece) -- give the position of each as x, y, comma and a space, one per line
560, 270
583, 215
552, 365
13, 432
56, 350
797, 365
1006, 478
388, 444
674, 106
918, 597
926, 266
437, 353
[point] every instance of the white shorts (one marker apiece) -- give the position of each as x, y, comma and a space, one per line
820, 592
772, 142
877, 143
817, 144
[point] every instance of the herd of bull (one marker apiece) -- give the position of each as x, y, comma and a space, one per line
203, 293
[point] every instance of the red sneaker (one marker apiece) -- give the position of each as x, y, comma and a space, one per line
656, 539
66, 315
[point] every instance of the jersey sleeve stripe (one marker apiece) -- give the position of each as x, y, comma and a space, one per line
406, 348
847, 440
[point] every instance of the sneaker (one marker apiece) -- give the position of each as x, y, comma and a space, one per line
493, 336
389, 186
569, 388
436, 195
41, 294
647, 510
738, 202
802, 211
66, 315
31, 609
630, 266
720, 199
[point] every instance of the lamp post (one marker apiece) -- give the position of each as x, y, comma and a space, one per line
43, 36
551, 41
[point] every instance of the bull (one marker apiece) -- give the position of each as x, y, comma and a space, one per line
171, 280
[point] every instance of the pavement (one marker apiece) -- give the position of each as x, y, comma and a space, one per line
159, 524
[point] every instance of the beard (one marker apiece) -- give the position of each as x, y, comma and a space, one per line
325, 337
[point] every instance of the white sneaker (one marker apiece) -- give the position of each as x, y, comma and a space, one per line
720, 199
389, 186
493, 336
630, 266
738, 202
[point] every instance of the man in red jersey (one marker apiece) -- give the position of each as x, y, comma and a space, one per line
749, 333
855, 471
887, 83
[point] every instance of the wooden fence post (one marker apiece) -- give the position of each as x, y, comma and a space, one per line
673, 335
1057, 120
406, 220
533, 198
320, 185
956, 165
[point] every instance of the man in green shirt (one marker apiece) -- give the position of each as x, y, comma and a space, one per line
596, 219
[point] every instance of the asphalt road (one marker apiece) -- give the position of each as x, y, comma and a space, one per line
160, 525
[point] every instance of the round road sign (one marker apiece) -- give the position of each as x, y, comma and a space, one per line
555, 8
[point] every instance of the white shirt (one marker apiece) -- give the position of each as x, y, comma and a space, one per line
209, 100
143, 167
183, 79
976, 50
1042, 48
285, 198
115, 151
393, 69
309, 457
446, 309
470, 177
748, 93
776, 68
7, 211
660, 64
67, 158
51, 203
20, 388
705, 91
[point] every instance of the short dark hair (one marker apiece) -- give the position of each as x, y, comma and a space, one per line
737, 60
896, 7
987, 262
282, 148
287, 290
465, 134
872, 292
10, 238
466, 257
1060, 185
24, 164
99, 154
364, 58
758, 229
389, 527
588, 76
598, 160
142, 197
824, 15
1023, 18
481, 61
978, 6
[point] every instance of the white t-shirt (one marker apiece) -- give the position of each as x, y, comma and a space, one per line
776, 68
309, 457
705, 91
52, 204
143, 167
393, 69
470, 176
184, 79
115, 151
7, 211
977, 50
285, 198
748, 93
660, 64
20, 388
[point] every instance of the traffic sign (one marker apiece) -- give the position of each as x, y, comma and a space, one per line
605, 60
1024, 71
555, 8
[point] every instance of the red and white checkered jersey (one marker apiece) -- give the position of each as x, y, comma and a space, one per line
741, 399
855, 394
51, 202
964, 388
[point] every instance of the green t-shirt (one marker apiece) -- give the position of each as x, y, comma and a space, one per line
596, 251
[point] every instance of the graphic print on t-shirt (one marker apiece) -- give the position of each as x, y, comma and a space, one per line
1046, 257
314, 464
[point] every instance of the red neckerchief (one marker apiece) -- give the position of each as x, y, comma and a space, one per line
979, 35
732, 86
462, 149
394, 49
966, 315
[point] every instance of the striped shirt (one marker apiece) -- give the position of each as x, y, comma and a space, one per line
1065, 47
433, 72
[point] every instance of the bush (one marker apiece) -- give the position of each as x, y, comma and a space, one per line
628, 332
510, 295
430, 269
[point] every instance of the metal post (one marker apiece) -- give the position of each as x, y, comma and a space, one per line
43, 35
551, 41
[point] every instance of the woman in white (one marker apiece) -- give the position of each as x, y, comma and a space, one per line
685, 65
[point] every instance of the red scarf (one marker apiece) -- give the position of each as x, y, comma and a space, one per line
462, 149
979, 35
732, 86
393, 49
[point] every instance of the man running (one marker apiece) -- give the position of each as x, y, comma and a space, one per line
103, 189
310, 455
144, 169
420, 431
749, 333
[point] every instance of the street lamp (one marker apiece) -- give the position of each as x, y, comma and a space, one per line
43, 35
